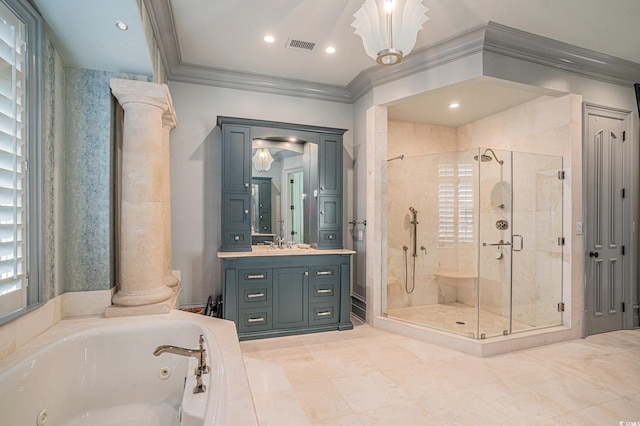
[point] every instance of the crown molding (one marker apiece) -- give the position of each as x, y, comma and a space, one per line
537, 49
494, 38
450, 50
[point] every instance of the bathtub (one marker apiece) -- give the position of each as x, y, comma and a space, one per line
103, 372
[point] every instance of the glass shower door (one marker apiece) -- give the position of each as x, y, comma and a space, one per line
537, 233
495, 234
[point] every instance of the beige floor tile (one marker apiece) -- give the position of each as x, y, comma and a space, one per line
368, 392
571, 393
346, 363
424, 381
321, 401
366, 376
279, 409
522, 405
350, 420
464, 408
304, 372
265, 377
405, 414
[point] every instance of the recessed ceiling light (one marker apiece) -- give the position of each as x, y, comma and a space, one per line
330, 49
292, 139
454, 105
122, 25
269, 38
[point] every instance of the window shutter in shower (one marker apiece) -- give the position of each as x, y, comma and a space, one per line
455, 203
12, 162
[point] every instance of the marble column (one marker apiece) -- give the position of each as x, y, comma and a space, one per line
168, 123
142, 284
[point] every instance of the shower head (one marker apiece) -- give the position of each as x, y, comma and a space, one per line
486, 158
412, 210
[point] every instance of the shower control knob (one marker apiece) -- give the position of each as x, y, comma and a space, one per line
593, 254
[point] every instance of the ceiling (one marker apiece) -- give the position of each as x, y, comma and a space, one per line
227, 36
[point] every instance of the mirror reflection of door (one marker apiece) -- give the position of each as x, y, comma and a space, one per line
295, 218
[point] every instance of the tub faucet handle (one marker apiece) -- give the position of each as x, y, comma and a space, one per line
202, 368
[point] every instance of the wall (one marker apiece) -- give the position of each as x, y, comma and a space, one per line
195, 165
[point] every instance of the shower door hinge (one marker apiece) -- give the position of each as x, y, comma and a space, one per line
624, 135
622, 250
623, 193
561, 307
623, 307
561, 175
560, 241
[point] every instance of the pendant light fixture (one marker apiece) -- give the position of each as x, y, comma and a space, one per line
262, 160
389, 28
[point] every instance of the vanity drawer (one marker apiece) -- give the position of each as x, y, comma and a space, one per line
236, 238
323, 313
254, 295
324, 274
330, 239
253, 276
254, 320
323, 292
324, 283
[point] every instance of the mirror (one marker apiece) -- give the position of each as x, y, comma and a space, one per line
281, 179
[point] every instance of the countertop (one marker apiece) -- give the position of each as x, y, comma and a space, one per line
265, 251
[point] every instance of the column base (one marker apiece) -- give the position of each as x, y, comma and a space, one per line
171, 281
128, 304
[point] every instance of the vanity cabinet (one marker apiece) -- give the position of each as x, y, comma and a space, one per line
236, 188
322, 188
268, 296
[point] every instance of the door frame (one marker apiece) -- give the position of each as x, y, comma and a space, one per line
629, 213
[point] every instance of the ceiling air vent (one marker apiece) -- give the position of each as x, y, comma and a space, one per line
305, 46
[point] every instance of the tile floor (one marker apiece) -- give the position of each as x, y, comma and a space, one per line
458, 318
371, 377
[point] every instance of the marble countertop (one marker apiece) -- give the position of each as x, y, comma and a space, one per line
265, 251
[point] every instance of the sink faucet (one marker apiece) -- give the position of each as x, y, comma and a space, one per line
280, 241
200, 354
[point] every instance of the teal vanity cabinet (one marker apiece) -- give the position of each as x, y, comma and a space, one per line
321, 163
279, 295
236, 188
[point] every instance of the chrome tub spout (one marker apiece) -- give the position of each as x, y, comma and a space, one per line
200, 354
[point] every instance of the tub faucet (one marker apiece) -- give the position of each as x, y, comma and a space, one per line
200, 354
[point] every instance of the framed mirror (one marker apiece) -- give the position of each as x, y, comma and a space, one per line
281, 178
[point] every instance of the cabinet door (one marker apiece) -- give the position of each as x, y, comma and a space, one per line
237, 213
330, 164
290, 297
236, 158
330, 212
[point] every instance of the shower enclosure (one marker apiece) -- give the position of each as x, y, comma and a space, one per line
474, 241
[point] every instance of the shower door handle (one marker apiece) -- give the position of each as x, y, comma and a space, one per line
500, 243
514, 242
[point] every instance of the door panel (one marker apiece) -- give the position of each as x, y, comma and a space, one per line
604, 200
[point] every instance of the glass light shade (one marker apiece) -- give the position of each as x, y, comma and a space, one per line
372, 25
262, 160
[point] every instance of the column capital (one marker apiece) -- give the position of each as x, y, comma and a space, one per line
142, 92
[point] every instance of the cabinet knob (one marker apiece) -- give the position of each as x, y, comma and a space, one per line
322, 188
331, 237
236, 238
321, 211
246, 212
246, 184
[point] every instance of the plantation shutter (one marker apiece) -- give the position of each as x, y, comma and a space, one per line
12, 162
